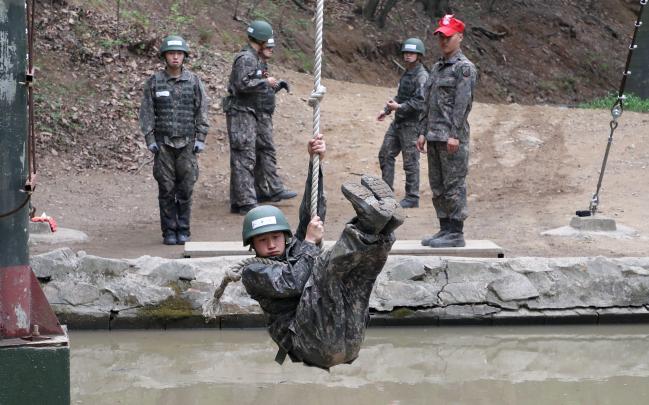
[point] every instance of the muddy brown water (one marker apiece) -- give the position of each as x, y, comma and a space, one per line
522, 365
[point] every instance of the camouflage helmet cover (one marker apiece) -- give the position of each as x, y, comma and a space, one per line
263, 219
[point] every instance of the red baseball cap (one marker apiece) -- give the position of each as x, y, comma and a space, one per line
449, 25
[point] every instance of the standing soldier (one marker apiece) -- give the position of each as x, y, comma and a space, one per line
253, 161
401, 136
444, 133
173, 119
264, 187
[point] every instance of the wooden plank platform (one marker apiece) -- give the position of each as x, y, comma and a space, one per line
473, 248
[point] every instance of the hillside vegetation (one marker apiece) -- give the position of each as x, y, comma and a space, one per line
91, 60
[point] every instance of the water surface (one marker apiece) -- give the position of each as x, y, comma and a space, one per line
477, 365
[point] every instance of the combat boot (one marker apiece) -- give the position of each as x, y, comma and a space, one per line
453, 238
170, 238
443, 230
409, 203
241, 210
182, 238
282, 195
374, 205
382, 190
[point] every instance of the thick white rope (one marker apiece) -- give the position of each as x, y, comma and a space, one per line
314, 101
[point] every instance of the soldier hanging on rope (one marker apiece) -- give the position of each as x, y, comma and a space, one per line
317, 302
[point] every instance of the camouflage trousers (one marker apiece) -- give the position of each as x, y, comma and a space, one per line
333, 313
253, 160
176, 171
447, 176
401, 139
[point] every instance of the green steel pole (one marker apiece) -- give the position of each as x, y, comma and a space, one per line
14, 170
34, 369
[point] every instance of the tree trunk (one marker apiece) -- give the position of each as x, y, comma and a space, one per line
369, 9
383, 14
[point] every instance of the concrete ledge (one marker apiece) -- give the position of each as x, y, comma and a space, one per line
473, 248
90, 292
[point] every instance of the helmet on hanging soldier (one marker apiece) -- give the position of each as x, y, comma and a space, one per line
260, 31
414, 45
174, 43
264, 219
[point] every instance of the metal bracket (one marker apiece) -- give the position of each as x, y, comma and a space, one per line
29, 78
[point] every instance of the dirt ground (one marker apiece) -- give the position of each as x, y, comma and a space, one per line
531, 168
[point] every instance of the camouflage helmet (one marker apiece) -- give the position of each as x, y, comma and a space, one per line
414, 45
173, 43
263, 219
260, 30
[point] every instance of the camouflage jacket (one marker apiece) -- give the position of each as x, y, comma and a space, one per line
449, 96
410, 95
248, 87
174, 110
266, 103
278, 287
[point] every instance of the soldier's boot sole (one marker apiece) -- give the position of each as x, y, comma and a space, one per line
372, 214
384, 192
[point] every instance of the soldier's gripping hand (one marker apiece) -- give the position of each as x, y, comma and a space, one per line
314, 230
381, 116
317, 145
199, 146
153, 148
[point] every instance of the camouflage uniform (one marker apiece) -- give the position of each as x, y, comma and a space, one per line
173, 114
401, 136
449, 96
249, 109
317, 303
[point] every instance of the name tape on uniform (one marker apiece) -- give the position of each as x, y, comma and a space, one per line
263, 222
164, 93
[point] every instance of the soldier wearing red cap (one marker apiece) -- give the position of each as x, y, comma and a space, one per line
444, 133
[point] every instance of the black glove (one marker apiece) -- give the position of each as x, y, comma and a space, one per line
283, 84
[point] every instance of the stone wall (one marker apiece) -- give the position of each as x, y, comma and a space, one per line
150, 292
